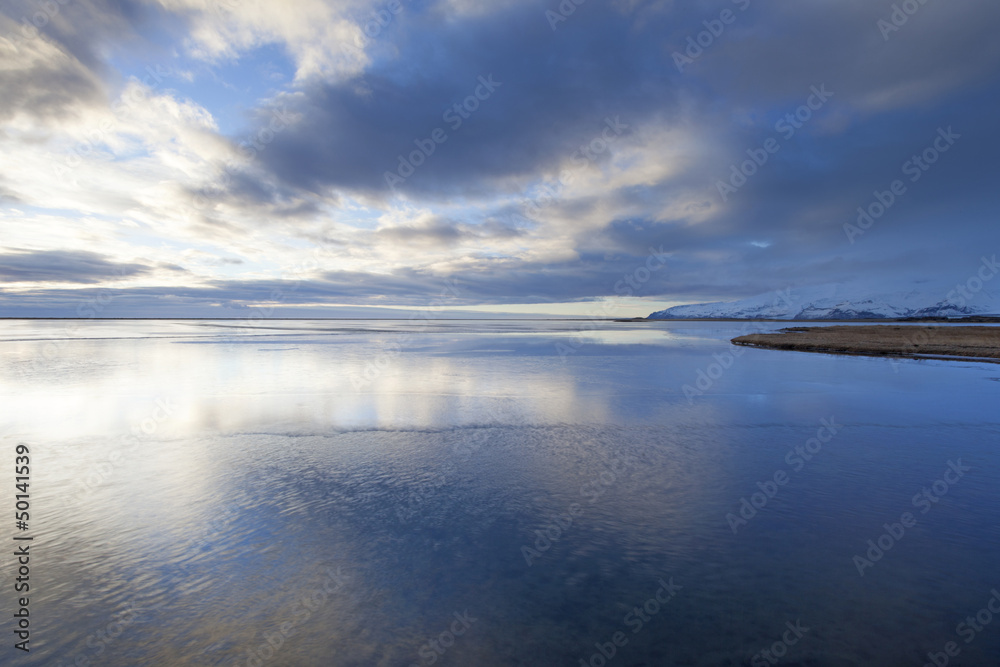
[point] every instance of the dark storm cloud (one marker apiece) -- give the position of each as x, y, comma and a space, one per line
242, 189
66, 266
889, 98
541, 94
440, 233
802, 198
557, 87
45, 88
57, 61
775, 51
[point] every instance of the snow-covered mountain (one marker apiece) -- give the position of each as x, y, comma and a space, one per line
839, 302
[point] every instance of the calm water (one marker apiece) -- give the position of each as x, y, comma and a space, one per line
494, 493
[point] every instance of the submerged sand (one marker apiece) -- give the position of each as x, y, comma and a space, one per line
945, 342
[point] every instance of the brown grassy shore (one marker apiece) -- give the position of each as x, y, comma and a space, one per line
918, 342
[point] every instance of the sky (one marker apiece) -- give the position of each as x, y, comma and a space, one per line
352, 158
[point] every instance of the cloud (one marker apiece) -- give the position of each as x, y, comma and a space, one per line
41, 79
354, 130
54, 54
441, 233
321, 36
556, 88
59, 266
578, 148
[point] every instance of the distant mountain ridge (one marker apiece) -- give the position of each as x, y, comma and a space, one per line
837, 302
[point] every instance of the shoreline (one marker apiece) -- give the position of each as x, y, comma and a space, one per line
949, 343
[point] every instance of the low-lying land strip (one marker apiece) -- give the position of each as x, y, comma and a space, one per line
946, 342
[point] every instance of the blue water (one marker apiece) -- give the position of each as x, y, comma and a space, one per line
495, 493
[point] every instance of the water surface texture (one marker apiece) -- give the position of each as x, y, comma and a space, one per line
397, 493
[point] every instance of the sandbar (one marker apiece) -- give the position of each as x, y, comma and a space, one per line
981, 343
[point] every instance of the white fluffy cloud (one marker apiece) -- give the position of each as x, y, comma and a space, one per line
321, 36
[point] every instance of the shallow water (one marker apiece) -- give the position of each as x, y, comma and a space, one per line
347, 490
